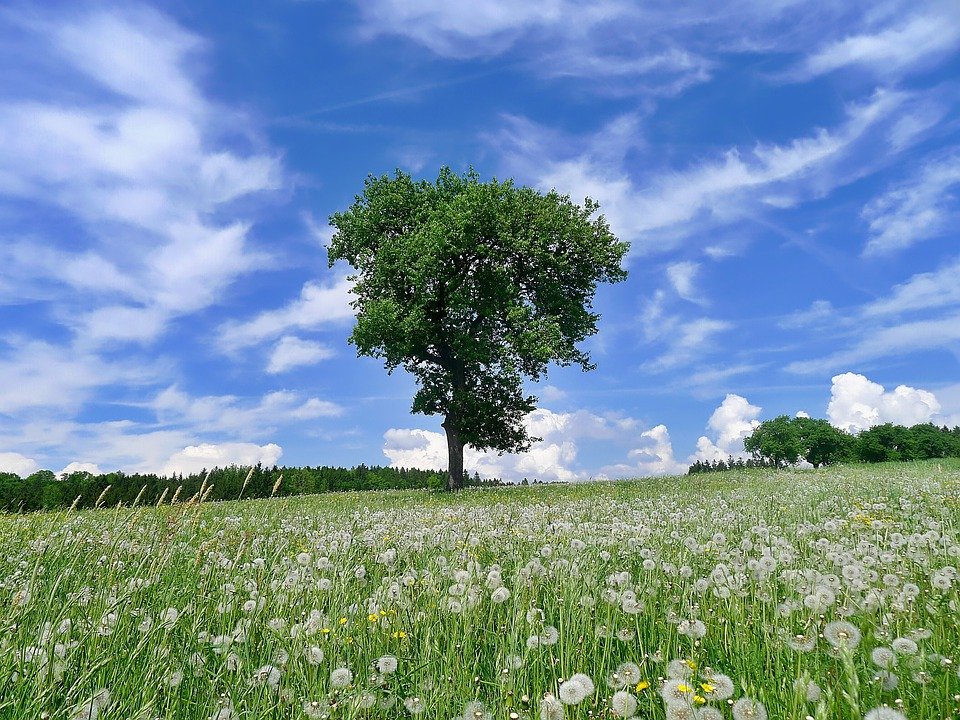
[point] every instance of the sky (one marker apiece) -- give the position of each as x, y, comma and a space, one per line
787, 174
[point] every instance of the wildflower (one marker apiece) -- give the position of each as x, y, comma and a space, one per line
551, 708
884, 713
475, 710
315, 708
341, 677
883, 657
905, 646
265, 675
313, 655
842, 634
576, 689
500, 595
675, 691
173, 679
802, 642
623, 704
709, 713
414, 705
224, 712
809, 689
387, 664
749, 709
692, 628
717, 686
91, 709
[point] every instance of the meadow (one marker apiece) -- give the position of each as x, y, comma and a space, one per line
829, 594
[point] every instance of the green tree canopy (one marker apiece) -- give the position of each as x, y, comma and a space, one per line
776, 441
471, 287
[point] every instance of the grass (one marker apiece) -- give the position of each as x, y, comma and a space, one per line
224, 610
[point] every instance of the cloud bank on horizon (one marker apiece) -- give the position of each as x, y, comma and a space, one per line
787, 175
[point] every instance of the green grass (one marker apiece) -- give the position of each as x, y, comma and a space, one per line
82, 597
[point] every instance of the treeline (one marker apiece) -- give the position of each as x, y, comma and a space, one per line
731, 463
787, 440
44, 490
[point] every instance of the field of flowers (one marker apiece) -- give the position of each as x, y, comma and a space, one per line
791, 595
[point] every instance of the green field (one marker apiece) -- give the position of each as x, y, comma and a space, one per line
826, 594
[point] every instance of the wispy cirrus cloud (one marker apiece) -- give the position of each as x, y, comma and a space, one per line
919, 315
917, 209
895, 47
659, 211
319, 305
621, 47
136, 156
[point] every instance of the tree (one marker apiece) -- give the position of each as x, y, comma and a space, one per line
821, 443
777, 441
471, 287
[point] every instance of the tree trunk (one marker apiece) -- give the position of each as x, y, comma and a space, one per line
454, 456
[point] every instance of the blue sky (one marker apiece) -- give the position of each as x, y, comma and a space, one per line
786, 172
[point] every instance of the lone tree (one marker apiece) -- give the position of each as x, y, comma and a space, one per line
472, 286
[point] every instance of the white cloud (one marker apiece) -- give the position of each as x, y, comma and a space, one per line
903, 338
731, 422
195, 458
682, 276
652, 457
618, 47
661, 210
687, 341
857, 403
551, 393
237, 416
38, 374
73, 467
818, 312
318, 305
17, 464
924, 291
293, 352
921, 314
891, 49
916, 210
554, 457
135, 155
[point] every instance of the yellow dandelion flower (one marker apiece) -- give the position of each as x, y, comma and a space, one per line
642, 685
707, 687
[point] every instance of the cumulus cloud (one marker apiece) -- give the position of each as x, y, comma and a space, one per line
73, 467
653, 456
293, 352
731, 422
554, 457
857, 403
195, 458
17, 464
